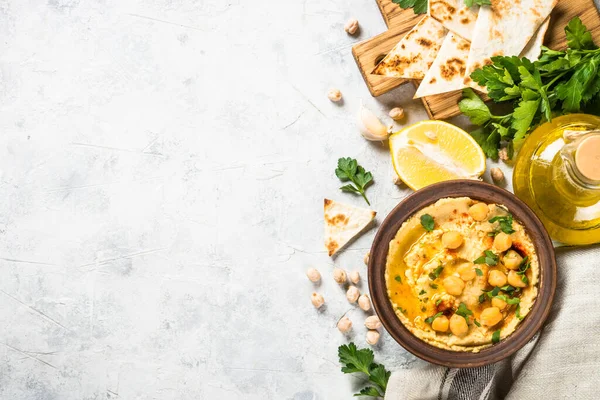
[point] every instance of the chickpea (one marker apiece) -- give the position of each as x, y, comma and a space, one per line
512, 259
339, 275
497, 278
479, 211
440, 324
364, 302
490, 316
317, 300
458, 325
352, 294
502, 242
313, 275
454, 285
500, 304
344, 325
515, 280
354, 277
452, 240
373, 337
373, 322
466, 271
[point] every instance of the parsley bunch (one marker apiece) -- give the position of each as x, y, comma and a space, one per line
559, 82
420, 6
355, 360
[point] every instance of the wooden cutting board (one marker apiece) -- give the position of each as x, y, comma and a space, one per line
368, 53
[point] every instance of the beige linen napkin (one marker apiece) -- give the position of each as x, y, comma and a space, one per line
561, 362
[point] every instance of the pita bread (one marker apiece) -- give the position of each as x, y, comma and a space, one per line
534, 48
455, 16
342, 223
448, 69
504, 29
415, 53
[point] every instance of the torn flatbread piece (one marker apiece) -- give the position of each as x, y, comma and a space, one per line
504, 29
343, 222
414, 54
455, 16
534, 48
448, 69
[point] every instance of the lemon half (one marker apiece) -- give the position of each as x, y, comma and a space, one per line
434, 151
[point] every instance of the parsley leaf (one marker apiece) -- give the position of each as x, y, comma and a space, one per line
433, 286
525, 265
418, 6
473, 107
361, 361
505, 222
496, 337
432, 318
427, 222
436, 273
437, 302
478, 272
463, 311
488, 258
578, 37
422, 292
349, 170
397, 278
476, 323
469, 3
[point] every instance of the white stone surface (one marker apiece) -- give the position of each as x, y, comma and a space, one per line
163, 165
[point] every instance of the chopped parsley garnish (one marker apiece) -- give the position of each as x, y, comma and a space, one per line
508, 300
496, 337
422, 292
433, 286
505, 222
518, 312
423, 308
482, 298
488, 258
478, 272
476, 323
508, 289
525, 265
427, 222
397, 278
463, 311
432, 318
436, 273
437, 302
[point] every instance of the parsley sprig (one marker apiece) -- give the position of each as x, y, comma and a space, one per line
559, 82
349, 170
361, 361
488, 258
463, 311
505, 222
420, 6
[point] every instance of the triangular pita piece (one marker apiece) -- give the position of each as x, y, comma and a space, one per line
342, 223
455, 16
448, 69
414, 54
534, 48
504, 29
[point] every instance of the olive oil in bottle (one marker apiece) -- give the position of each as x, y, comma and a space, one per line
557, 173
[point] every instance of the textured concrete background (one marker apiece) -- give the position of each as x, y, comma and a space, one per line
163, 165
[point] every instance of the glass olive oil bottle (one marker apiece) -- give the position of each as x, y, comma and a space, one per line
557, 173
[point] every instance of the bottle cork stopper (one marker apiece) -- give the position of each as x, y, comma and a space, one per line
587, 158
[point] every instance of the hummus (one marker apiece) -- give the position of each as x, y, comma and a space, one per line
461, 274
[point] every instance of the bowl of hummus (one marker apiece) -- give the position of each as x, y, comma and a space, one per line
462, 273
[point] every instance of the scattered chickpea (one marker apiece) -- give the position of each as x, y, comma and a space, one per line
396, 113
397, 181
497, 278
502, 242
479, 211
364, 302
458, 325
351, 26
339, 275
373, 322
454, 285
512, 259
354, 277
373, 337
497, 175
352, 294
317, 300
490, 316
503, 154
440, 324
334, 95
366, 258
452, 240
431, 135
515, 280
344, 324
500, 304
313, 275
466, 271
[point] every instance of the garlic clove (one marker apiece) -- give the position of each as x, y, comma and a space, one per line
370, 126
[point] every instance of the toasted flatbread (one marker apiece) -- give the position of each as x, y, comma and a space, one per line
534, 48
455, 16
342, 223
415, 53
448, 69
504, 29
